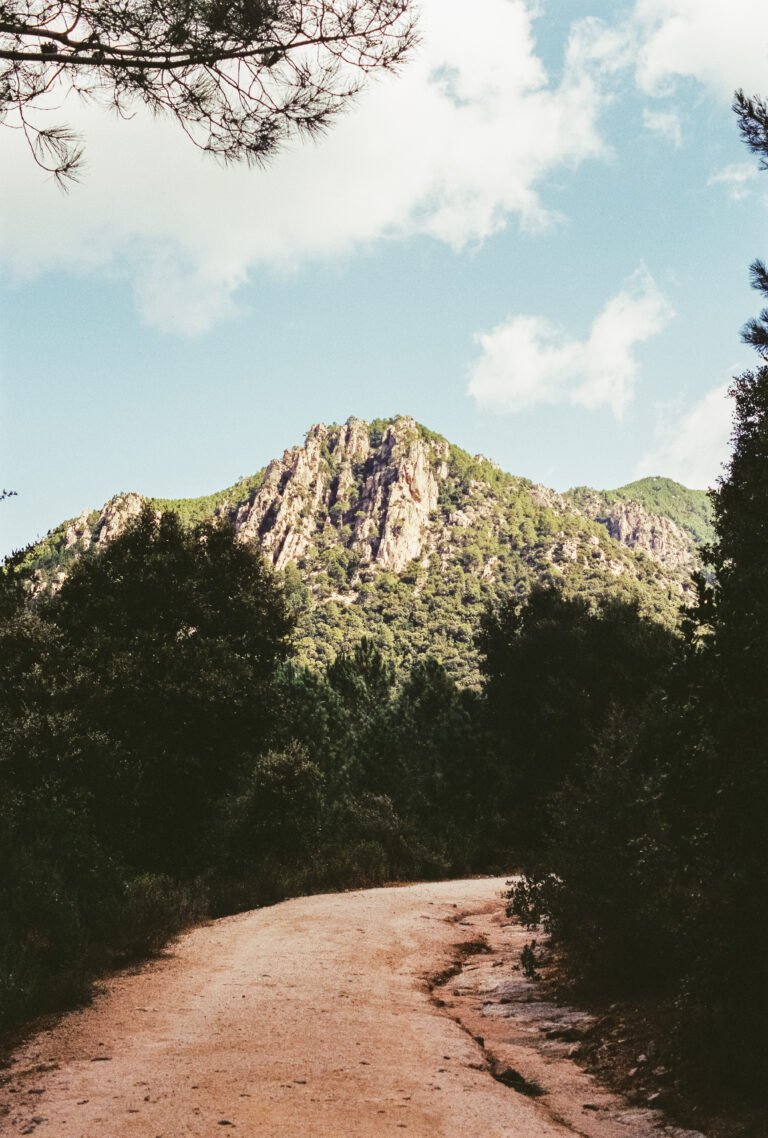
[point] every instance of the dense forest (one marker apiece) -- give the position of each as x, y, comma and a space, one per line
167, 754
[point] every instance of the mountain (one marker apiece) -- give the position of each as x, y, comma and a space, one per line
667, 521
385, 529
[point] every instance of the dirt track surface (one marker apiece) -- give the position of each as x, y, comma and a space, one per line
312, 1019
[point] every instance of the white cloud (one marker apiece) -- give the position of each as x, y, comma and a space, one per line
693, 447
453, 147
737, 179
664, 41
723, 47
456, 146
603, 48
526, 360
667, 124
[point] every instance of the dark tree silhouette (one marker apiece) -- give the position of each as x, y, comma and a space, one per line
752, 114
554, 668
239, 77
170, 639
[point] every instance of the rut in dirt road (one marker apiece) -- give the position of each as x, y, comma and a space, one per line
312, 1019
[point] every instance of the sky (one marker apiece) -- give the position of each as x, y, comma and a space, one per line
535, 239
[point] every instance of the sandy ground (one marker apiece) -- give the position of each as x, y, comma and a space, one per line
320, 1017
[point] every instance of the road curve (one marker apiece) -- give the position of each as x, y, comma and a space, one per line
311, 1019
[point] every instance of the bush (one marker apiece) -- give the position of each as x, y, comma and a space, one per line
603, 883
152, 909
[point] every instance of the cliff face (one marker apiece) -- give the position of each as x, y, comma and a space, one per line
93, 528
374, 493
377, 493
391, 532
656, 516
659, 537
629, 523
374, 498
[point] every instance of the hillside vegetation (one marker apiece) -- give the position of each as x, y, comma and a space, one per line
385, 530
165, 754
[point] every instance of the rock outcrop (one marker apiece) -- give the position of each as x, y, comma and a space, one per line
659, 537
101, 527
375, 498
376, 490
632, 525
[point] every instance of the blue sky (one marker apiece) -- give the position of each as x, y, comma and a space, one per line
535, 240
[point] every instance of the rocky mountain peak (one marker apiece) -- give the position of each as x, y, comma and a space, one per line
83, 532
393, 533
371, 487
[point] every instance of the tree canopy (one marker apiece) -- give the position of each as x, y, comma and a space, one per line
239, 77
163, 651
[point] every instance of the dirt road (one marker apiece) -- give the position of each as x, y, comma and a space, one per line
312, 1019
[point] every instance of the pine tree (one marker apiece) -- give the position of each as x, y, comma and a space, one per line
239, 77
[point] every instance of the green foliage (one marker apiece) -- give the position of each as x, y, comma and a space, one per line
556, 667
651, 872
363, 679
185, 731
690, 509
465, 469
56, 889
192, 511
161, 758
51, 555
172, 636
132, 701
151, 909
377, 428
311, 59
507, 540
729, 767
274, 809
492, 533
602, 881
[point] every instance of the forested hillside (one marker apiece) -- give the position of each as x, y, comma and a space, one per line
212, 703
164, 752
386, 530
381, 658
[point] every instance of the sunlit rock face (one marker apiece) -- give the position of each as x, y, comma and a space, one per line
375, 495
638, 528
99, 527
659, 537
374, 489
